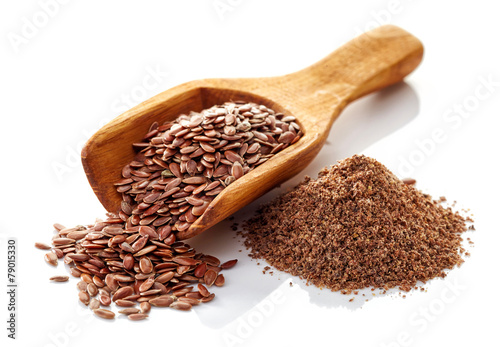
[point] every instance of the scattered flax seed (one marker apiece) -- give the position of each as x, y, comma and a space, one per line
103, 313
409, 181
51, 258
131, 265
357, 226
94, 304
137, 316
130, 310
43, 246
228, 264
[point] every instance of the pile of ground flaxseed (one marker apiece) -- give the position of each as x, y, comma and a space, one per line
357, 226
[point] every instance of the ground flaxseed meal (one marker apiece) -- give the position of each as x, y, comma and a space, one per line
357, 226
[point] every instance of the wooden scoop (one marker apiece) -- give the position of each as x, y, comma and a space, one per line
315, 96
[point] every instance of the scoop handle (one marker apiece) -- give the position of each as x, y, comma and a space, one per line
369, 62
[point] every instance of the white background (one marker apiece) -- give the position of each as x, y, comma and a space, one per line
69, 67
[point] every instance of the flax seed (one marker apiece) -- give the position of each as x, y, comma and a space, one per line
43, 246
103, 313
51, 258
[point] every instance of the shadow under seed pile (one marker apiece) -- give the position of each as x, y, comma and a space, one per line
357, 226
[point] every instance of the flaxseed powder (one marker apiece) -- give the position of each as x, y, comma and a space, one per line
357, 225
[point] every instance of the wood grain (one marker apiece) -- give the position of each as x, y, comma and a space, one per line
315, 95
